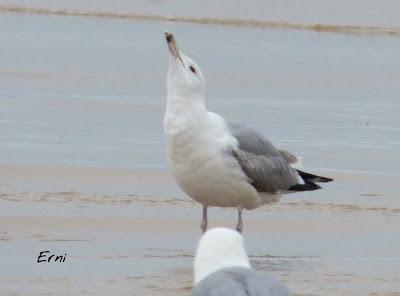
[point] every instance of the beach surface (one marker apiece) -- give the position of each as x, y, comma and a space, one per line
83, 168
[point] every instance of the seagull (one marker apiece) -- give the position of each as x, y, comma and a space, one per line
216, 162
221, 267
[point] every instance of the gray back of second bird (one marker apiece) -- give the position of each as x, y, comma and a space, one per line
239, 281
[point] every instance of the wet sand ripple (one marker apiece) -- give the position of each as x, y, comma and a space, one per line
132, 199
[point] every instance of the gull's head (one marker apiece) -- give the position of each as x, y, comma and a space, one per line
185, 78
219, 248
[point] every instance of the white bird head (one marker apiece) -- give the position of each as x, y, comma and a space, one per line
219, 248
185, 78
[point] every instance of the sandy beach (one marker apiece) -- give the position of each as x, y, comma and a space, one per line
140, 243
83, 170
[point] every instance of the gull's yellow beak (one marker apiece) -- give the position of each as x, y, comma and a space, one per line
172, 46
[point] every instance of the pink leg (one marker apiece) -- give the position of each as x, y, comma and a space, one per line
204, 222
239, 225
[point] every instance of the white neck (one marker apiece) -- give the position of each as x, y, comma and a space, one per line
179, 105
182, 113
206, 266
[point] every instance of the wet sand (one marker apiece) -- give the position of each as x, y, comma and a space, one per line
134, 244
83, 170
150, 255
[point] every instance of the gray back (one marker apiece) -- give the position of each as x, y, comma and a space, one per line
239, 281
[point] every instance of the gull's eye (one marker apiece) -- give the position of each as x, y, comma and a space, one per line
192, 69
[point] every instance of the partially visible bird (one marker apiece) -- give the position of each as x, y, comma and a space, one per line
222, 268
216, 162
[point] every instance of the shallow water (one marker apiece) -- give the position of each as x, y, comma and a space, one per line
308, 92
82, 158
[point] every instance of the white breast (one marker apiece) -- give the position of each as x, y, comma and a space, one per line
202, 170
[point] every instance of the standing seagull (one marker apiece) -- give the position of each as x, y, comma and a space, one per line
216, 162
221, 267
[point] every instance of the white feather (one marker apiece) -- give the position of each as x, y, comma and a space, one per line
196, 141
219, 248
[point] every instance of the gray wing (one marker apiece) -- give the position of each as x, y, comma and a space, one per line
239, 281
267, 168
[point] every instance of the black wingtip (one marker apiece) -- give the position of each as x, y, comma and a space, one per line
325, 179
313, 178
307, 186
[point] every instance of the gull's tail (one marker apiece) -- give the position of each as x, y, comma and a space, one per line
309, 182
313, 178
